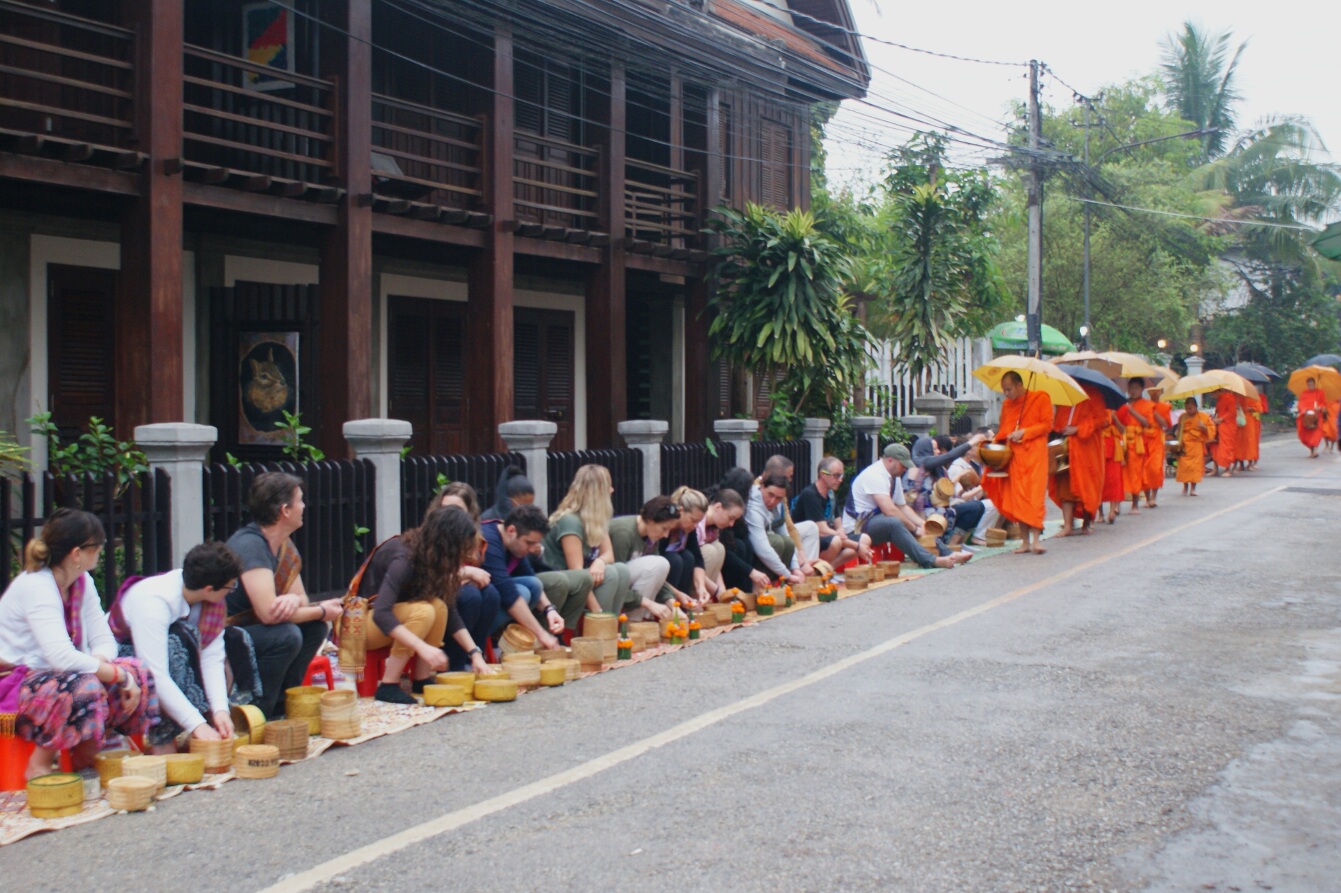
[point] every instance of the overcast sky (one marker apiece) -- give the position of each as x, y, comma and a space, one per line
1291, 65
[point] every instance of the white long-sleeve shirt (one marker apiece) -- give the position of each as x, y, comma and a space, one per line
150, 607
32, 626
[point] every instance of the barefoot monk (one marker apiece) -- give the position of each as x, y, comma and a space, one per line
1026, 420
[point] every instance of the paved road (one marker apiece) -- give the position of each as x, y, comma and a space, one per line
1156, 707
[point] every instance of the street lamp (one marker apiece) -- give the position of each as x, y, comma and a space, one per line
1159, 139
1084, 337
1161, 344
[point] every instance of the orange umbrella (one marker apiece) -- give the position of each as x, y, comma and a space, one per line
1326, 378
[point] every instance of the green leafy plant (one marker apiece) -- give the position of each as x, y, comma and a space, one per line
95, 451
359, 533
443, 480
295, 447
13, 457
711, 446
233, 460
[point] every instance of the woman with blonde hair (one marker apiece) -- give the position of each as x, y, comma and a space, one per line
681, 548
579, 538
54, 634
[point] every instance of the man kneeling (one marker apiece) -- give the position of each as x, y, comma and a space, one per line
876, 506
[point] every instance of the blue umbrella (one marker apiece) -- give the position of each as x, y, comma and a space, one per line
1111, 393
1251, 372
1322, 359
1271, 374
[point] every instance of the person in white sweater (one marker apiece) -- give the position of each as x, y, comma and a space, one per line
174, 623
54, 633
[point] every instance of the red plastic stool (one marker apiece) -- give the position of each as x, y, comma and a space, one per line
320, 664
14, 754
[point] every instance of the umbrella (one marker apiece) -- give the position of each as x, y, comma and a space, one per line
1015, 336
1090, 360
1037, 376
1271, 374
1328, 242
1112, 395
1192, 385
1323, 359
1167, 378
1248, 372
1327, 379
1232, 381
1132, 365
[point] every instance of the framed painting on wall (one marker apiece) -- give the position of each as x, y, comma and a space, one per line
267, 376
267, 39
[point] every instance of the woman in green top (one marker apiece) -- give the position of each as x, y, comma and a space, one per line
634, 539
579, 537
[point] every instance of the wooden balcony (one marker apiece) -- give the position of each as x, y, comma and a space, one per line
555, 187
661, 209
257, 128
66, 86
427, 163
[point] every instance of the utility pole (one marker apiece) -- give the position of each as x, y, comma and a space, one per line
1085, 276
1034, 319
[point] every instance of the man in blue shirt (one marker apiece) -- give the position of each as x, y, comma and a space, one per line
508, 543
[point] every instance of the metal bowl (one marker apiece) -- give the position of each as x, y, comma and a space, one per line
995, 455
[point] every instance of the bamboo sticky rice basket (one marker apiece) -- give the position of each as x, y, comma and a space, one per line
721, 611
340, 715
152, 767
108, 764
131, 793
521, 657
185, 768
571, 668
444, 695
600, 626
648, 630
304, 702
257, 761
525, 673
495, 690
248, 718
517, 639
290, 736
218, 754
465, 680
589, 652
552, 674
555, 653
56, 795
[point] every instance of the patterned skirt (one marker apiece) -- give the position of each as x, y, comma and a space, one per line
59, 710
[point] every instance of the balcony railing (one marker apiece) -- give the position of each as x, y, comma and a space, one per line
425, 154
65, 80
661, 205
262, 123
555, 183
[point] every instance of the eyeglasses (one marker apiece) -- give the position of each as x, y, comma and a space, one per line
91, 546
837, 475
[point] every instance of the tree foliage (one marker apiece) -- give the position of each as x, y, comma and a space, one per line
781, 306
1198, 70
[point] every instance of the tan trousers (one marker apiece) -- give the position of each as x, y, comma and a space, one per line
427, 620
714, 556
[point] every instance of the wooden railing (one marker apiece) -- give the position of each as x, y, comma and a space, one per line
239, 117
555, 183
660, 204
426, 154
65, 77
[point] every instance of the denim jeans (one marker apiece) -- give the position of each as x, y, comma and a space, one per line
887, 529
283, 651
510, 590
478, 609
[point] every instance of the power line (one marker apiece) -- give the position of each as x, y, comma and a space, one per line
904, 46
1216, 220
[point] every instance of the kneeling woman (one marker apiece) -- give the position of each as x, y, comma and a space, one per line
52, 629
633, 542
412, 580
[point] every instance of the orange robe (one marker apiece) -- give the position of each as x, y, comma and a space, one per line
1145, 448
1021, 495
1155, 470
1192, 460
1250, 435
1314, 400
1226, 429
1114, 454
1329, 423
1084, 480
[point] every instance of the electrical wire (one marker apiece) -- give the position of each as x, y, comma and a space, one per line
1216, 220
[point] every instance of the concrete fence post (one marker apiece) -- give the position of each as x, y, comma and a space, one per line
918, 425
532, 439
737, 433
938, 406
1195, 364
180, 449
975, 408
813, 431
646, 436
380, 442
869, 425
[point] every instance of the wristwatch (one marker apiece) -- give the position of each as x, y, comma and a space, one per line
474, 651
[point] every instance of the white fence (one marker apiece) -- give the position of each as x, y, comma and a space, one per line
954, 378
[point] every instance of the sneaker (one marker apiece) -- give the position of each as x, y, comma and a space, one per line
391, 693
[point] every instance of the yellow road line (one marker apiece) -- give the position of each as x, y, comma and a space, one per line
306, 880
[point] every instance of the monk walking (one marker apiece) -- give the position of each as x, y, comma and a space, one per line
1250, 434
1078, 490
1156, 471
1309, 428
1145, 446
1226, 432
1329, 425
1021, 496
1195, 428
1115, 454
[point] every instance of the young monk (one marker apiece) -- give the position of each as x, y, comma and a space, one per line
1079, 489
1115, 457
1021, 496
1227, 433
1250, 433
1145, 446
1312, 400
1195, 428
1329, 425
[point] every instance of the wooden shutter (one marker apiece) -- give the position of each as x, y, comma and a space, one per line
727, 132
408, 349
81, 347
723, 389
525, 367
543, 371
775, 181
449, 387
528, 77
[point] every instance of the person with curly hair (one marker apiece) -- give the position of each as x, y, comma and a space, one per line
412, 582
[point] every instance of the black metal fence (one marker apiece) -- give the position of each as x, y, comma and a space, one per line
694, 465
422, 476
796, 450
136, 515
626, 473
338, 522
961, 426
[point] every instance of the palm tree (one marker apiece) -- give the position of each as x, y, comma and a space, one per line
1198, 73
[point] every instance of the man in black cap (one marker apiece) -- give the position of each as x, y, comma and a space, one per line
876, 506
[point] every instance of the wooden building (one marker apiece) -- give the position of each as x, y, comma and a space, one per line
447, 211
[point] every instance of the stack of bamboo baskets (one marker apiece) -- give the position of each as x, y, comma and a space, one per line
340, 715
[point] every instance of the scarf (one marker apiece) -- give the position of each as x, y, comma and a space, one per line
213, 617
74, 612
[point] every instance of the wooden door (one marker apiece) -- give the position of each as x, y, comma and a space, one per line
81, 347
426, 345
544, 369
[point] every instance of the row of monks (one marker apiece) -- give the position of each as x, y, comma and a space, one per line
1112, 456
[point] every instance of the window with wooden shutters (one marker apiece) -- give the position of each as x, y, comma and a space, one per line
723, 389
775, 180
426, 369
727, 132
543, 369
81, 347
525, 367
